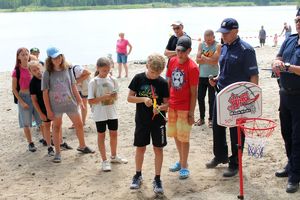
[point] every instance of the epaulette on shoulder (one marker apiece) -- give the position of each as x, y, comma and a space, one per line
294, 35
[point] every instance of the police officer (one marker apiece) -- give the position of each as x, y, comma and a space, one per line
237, 63
287, 63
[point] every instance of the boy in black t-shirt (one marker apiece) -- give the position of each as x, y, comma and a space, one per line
150, 93
38, 103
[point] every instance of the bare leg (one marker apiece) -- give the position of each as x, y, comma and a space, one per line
47, 134
57, 122
27, 133
139, 158
42, 130
119, 69
76, 120
113, 142
101, 145
185, 147
158, 151
126, 69
84, 111
178, 146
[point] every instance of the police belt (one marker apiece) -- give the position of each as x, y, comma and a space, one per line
289, 91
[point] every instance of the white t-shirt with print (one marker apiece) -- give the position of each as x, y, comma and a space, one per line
98, 87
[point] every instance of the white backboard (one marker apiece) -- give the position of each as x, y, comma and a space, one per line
238, 100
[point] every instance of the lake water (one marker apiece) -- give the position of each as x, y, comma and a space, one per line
84, 36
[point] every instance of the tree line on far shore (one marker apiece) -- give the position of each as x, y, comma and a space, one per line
15, 4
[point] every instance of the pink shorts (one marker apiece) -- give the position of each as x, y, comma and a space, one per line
178, 125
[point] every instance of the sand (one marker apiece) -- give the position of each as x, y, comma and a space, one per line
26, 175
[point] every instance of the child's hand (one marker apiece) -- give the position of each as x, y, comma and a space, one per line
148, 102
50, 115
156, 110
213, 82
82, 106
107, 96
43, 117
25, 105
114, 95
191, 119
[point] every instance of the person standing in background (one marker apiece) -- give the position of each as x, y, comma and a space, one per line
207, 58
122, 54
36, 52
287, 29
170, 50
262, 36
287, 64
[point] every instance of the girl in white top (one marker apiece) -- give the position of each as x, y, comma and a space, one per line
102, 95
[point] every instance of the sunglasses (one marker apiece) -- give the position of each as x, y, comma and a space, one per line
176, 28
297, 20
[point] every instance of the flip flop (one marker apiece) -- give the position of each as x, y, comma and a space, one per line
184, 173
85, 150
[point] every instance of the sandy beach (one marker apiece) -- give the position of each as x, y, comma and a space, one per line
26, 175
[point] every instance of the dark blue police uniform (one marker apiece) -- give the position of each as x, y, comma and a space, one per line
290, 106
237, 63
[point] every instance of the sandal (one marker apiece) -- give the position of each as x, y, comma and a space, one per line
184, 173
199, 122
85, 150
176, 167
72, 127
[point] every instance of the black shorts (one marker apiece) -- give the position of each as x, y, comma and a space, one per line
112, 125
82, 96
143, 133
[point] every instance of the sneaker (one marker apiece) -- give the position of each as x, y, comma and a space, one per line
106, 166
176, 167
136, 182
214, 162
31, 147
33, 124
157, 187
51, 151
43, 142
230, 172
119, 160
65, 146
57, 158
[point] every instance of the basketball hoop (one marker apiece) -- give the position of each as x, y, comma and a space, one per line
256, 131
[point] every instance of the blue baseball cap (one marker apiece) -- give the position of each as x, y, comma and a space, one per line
53, 52
227, 25
298, 13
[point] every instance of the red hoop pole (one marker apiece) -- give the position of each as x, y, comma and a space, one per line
239, 122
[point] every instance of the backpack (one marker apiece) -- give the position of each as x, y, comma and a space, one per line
18, 85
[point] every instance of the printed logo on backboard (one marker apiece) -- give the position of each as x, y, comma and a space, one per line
238, 100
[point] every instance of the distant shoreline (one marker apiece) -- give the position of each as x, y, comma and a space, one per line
141, 6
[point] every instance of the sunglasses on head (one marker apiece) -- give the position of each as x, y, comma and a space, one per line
297, 20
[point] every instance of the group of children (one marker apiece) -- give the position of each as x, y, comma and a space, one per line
54, 93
